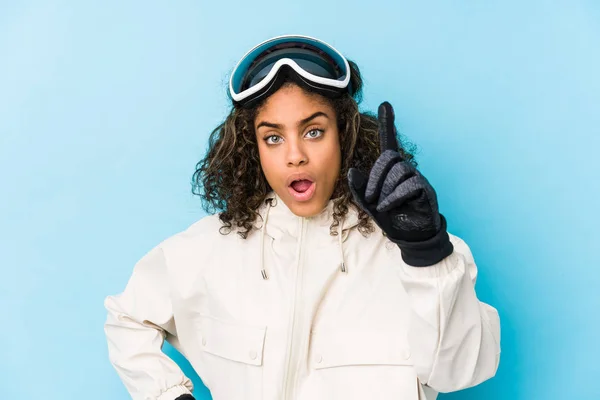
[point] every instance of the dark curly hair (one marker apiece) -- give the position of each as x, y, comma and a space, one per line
230, 180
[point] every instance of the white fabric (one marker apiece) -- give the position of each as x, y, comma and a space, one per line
275, 316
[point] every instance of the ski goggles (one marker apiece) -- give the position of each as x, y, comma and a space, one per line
302, 59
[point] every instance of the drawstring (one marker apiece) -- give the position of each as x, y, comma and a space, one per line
340, 233
263, 270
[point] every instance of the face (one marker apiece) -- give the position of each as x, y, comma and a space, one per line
299, 148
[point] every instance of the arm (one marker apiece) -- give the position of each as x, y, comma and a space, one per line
455, 338
138, 322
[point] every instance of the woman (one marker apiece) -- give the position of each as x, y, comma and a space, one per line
341, 281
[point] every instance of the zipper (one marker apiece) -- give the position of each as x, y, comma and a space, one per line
289, 375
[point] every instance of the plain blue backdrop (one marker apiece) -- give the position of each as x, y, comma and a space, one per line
105, 107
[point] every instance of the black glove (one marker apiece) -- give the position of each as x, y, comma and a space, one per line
185, 397
401, 200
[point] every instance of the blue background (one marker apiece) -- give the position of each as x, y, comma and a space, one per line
105, 107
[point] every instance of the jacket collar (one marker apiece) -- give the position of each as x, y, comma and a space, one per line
282, 220
278, 220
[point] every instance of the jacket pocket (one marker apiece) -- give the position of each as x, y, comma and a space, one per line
345, 348
233, 358
360, 364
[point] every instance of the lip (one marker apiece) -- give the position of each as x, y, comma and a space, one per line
304, 196
299, 176
301, 197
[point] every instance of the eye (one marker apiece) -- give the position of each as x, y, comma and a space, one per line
270, 137
315, 133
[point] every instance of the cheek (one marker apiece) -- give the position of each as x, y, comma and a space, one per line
332, 156
268, 164
328, 159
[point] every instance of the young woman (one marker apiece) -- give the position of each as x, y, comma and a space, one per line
327, 273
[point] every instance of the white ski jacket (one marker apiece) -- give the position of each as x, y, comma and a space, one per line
338, 317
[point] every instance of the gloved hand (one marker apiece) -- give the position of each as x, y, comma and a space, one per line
401, 201
185, 397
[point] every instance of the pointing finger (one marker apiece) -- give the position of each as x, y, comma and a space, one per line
387, 130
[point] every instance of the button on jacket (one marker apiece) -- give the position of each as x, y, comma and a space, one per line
295, 313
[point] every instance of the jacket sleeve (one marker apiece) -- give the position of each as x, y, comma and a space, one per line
454, 338
138, 322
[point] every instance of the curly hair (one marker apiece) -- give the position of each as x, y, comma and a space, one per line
230, 180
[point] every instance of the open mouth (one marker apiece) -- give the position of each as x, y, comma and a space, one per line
302, 189
301, 185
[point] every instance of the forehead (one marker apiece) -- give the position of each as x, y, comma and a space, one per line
291, 103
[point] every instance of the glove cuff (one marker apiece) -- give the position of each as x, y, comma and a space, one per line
428, 252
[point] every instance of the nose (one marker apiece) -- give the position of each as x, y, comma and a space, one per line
296, 154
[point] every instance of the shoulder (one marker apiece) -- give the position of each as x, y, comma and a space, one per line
460, 245
200, 234
198, 247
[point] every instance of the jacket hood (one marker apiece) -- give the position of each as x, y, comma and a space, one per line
278, 221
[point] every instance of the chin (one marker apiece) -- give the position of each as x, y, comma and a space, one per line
306, 209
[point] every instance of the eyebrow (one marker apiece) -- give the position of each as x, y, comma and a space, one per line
302, 122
